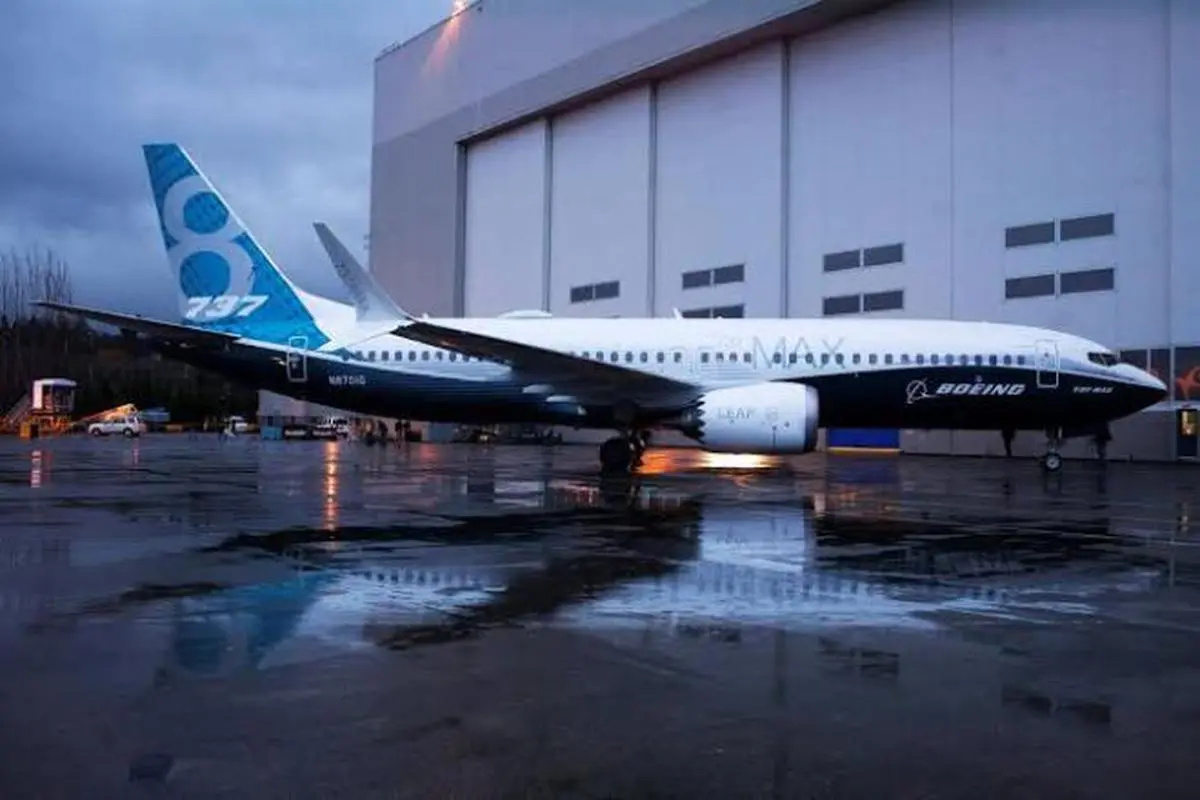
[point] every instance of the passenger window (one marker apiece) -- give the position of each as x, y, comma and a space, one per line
872, 358
704, 358
933, 359
384, 355
424, 355
371, 355
1007, 361
628, 357
747, 358
839, 358
1021, 360
992, 361
920, 358
856, 358
978, 360
949, 359
733, 357
793, 358
614, 357
720, 358
887, 359
824, 358
644, 357
964, 360
904, 359
440, 355
678, 358
454, 356
777, 358
661, 357
809, 358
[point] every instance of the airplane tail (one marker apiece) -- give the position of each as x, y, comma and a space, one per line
227, 282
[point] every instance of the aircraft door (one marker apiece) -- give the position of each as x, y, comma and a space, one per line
1046, 361
297, 359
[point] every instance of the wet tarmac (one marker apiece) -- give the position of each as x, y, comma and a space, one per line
192, 617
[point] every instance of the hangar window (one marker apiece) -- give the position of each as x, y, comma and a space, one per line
1088, 280
595, 291
1086, 227
734, 273
846, 259
697, 278
729, 312
841, 304
885, 254
696, 313
1029, 286
883, 301
1026, 235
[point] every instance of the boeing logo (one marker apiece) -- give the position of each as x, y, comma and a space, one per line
919, 390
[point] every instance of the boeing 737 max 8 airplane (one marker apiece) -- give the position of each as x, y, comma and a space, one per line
731, 385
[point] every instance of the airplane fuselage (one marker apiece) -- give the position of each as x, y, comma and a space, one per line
868, 373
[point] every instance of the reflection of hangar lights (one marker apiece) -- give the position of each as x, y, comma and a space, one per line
736, 461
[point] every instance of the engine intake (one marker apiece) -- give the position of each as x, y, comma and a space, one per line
765, 418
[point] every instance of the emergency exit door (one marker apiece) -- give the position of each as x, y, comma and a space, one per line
297, 359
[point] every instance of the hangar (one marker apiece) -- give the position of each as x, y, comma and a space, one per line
1004, 160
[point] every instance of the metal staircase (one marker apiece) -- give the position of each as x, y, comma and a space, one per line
17, 414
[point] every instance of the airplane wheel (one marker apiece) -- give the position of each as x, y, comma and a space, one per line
616, 455
1052, 462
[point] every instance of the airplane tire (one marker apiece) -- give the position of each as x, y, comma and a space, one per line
616, 455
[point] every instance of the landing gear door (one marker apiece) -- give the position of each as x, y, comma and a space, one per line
1045, 358
297, 359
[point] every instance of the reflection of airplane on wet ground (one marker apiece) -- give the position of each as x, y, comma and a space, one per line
652, 554
731, 385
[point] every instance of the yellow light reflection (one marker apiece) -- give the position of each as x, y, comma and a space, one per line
330, 516
737, 461
35, 469
446, 37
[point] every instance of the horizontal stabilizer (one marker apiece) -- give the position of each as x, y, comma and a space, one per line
157, 328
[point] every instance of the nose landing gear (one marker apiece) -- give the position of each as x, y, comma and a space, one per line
1052, 461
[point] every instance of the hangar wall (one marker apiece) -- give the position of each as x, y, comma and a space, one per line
978, 160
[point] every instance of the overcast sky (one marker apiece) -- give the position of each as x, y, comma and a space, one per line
271, 97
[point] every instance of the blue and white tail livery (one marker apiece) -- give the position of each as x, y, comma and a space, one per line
227, 282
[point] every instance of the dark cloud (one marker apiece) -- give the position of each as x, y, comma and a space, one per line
272, 98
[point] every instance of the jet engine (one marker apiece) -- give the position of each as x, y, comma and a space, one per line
766, 418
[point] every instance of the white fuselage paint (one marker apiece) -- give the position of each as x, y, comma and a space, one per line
714, 353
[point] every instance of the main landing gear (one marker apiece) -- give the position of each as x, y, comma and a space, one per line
1052, 461
623, 454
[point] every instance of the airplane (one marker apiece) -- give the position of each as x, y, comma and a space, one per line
731, 385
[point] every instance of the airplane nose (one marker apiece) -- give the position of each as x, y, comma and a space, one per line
1155, 388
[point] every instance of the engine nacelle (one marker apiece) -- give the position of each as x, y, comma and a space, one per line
765, 418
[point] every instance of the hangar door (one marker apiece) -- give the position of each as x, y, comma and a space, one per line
505, 222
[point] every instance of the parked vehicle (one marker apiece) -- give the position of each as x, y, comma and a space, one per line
118, 426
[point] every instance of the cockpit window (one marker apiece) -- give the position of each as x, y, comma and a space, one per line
1103, 359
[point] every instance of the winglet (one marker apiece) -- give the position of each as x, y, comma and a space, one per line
371, 302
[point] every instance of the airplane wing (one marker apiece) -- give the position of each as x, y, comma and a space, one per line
586, 380
151, 327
